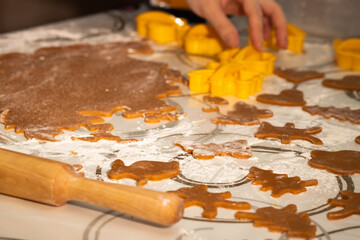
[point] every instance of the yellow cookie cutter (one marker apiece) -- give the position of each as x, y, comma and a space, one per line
248, 57
228, 79
348, 54
161, 27
202, 39
254, 60
296, 38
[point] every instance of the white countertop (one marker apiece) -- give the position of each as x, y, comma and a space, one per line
20, 219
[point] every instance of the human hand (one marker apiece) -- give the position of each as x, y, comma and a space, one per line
263, 15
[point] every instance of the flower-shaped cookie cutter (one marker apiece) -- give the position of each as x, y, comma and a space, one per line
348, 54
202, 39
296, 38
162, 27
228, 79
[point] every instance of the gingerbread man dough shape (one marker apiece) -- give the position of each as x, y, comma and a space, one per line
350, 203
243, 114
288, 133
199, 196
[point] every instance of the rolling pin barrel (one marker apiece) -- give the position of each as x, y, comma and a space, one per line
56, 183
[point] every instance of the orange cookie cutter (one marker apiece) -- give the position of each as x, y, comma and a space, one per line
348, 54
296, 38
162, 27
228, 79
202, 39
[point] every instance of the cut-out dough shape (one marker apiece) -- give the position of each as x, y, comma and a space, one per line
288, 97
143, 171
350, 203
351, 82
236, 149
296, 76
215, 100
199, 196
341, 114
279, 184
243, 114
65, 88
288, 133
284, 220
340, 162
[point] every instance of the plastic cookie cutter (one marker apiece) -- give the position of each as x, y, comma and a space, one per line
228, 79
202, 39
348, 54
235, 79
162, 27
248, 57
296, 38
254, 60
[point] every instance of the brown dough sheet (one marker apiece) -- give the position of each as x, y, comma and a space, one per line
64, 88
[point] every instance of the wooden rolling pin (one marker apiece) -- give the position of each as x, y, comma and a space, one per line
56, 183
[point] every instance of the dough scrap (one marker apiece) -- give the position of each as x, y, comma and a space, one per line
288, 97
243, 114
279, 184
158, 117
284, 220
342, 114
357, 139
65, 88
143, 171
199, 196
236, 149
210, 109
297, 76
340, 162
97, 136
288, 133
350, 82
215, 100
350, 203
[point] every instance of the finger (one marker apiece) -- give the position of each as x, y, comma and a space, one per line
253, 10
216, 16
278, 20
266, 28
